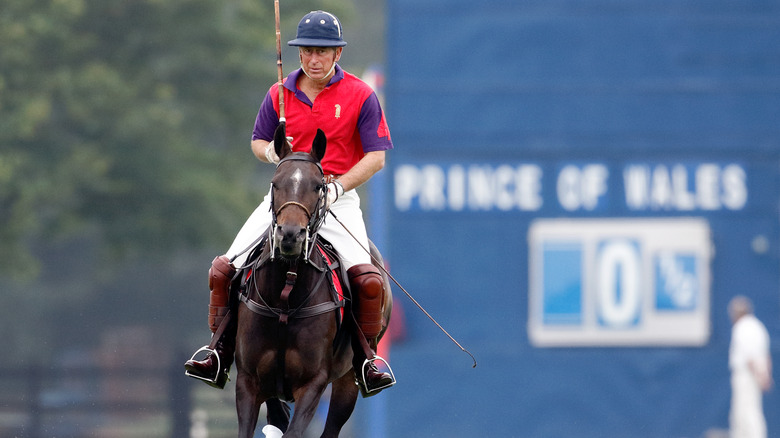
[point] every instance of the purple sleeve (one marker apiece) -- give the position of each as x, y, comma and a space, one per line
267, 120
371, 124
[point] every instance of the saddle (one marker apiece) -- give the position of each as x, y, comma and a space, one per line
324, 259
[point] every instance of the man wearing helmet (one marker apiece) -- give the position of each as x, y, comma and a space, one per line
321, 95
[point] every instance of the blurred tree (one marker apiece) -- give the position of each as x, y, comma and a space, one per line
124, 137
129, 119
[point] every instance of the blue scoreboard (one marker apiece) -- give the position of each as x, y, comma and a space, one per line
578, 188
619, 282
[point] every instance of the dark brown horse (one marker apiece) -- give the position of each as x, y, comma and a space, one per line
291, 341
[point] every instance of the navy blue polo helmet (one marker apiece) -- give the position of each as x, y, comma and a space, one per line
319, 29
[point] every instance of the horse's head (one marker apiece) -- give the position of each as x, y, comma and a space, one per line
297, 197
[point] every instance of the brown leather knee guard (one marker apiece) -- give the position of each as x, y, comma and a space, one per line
220, 275
369, 294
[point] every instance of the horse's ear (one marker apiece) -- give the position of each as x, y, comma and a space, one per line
318, 145
280, 141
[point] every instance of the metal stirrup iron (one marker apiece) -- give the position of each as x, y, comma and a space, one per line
364, 372
213, 352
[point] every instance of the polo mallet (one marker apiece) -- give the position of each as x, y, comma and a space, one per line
419, 306
279, 62
280, 77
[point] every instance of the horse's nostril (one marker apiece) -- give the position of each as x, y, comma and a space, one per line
293, 232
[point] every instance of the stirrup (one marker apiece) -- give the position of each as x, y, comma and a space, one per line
363, 371
215, 382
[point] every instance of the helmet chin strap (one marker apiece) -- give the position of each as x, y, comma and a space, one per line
324, 78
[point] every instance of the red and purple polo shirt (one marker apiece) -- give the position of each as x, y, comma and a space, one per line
347, 110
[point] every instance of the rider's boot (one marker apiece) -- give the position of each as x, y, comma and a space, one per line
369, 293
214, 368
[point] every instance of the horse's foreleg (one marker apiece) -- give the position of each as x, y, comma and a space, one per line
342, 402
248, 404
278, 413
306, 400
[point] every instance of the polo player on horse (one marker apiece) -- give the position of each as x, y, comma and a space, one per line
318, 95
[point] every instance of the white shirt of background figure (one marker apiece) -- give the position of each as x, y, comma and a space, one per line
751, 370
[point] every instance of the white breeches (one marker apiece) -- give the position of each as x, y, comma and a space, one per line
347, 209
746, 418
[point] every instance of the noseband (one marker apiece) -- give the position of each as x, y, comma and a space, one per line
296, 204
314, 218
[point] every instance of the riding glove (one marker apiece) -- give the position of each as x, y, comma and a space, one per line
270, 151
335, 190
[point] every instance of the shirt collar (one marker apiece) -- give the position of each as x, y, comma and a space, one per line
292, 79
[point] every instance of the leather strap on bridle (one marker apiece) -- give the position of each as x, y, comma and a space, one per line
297, 204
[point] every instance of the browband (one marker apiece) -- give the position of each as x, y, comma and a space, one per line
302, 156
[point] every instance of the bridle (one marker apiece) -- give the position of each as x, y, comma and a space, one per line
296, 204
314, 218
